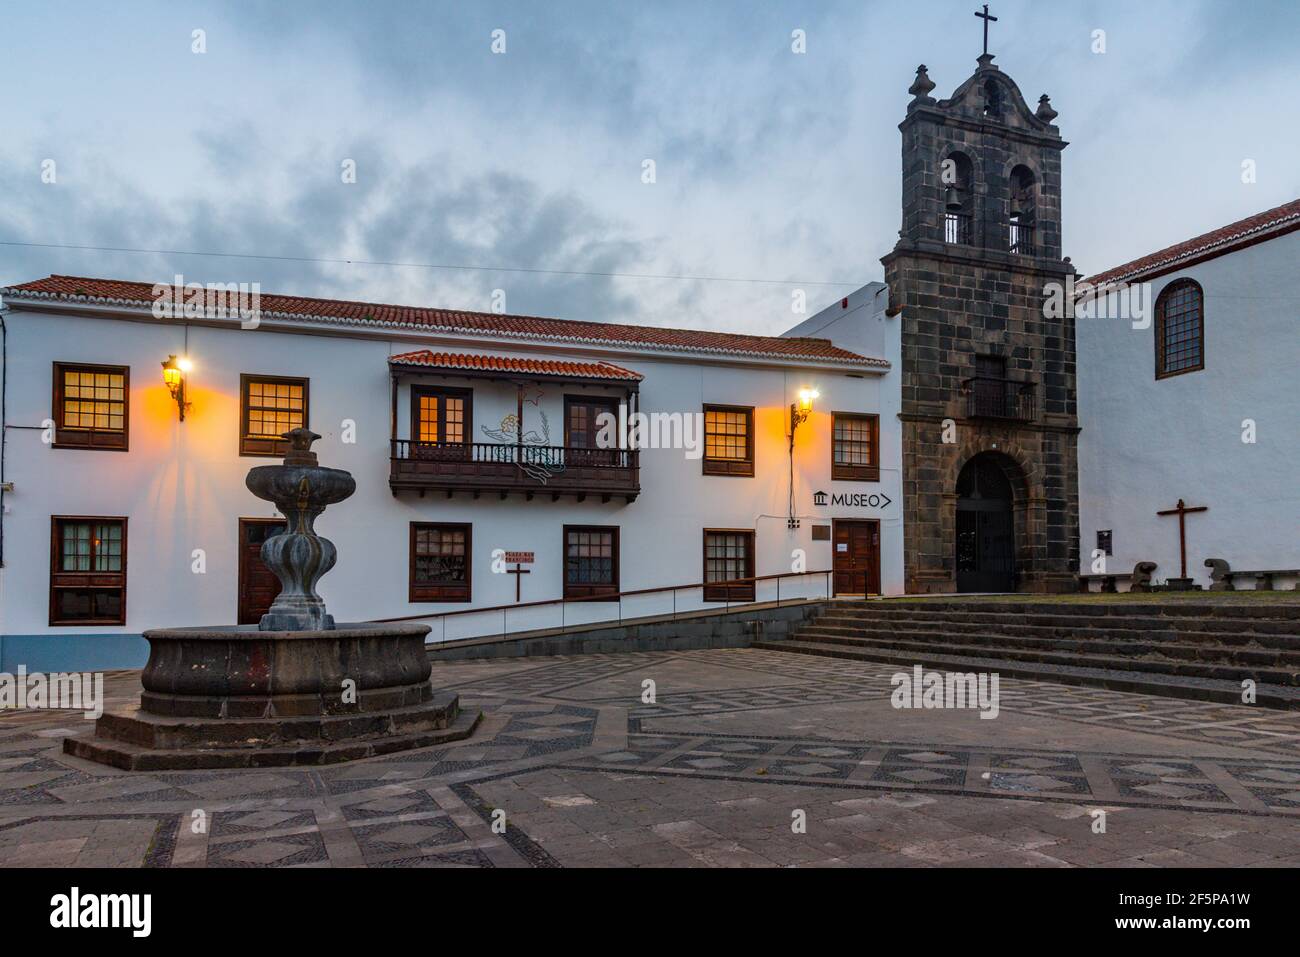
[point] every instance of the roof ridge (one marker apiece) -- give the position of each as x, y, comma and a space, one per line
1207, 240
454, 310
472, 324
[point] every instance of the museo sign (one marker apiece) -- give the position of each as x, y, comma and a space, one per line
852, 500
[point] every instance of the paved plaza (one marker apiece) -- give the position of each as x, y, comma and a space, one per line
737, 748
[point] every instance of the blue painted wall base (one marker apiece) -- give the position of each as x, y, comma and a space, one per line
47, 653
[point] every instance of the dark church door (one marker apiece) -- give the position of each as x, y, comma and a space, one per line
986, 540
258, 585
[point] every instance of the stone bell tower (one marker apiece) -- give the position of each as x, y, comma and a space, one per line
989, 415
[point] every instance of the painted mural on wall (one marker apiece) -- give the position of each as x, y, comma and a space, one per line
538, 458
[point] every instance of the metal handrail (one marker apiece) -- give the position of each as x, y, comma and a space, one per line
615, 597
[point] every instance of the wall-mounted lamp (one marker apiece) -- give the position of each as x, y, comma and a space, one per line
174, 371
799, 411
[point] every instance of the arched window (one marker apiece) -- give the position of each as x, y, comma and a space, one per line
992, 99
1020, 212
958, 199
1180, 329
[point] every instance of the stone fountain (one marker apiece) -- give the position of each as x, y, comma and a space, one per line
297, 689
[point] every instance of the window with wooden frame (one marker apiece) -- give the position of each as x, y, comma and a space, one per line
728, 555
441, 415
728, 440
87, 570
582, 429
91, 406
855, 447
441, 562
1180, 329
590, 560
269, 407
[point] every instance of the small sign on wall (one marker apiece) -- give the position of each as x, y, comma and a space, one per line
519, 558
821, 533
841, 546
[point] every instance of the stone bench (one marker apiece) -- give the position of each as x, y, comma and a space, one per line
1224, 577
1139, 579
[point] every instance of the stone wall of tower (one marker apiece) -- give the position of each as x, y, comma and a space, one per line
960, 301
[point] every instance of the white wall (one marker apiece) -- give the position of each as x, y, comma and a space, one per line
857, 322
182, 484
1146, 443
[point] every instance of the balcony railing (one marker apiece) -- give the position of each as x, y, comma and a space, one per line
501, 467
988, 397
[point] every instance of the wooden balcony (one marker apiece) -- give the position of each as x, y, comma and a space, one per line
988, 397
501, 468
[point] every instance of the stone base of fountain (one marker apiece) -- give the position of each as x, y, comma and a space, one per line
237, 697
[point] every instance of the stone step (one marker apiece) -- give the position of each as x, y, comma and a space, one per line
1201, 689
1227, 610
1198, 623
1265, 648
134, 757
1263, 674
165, 732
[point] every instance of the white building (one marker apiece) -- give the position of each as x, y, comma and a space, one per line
1193, 398
118, 515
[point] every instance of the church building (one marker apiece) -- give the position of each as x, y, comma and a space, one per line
1187, 396
988, 413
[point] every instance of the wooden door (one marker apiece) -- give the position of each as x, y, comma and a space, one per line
258, 585
857, 557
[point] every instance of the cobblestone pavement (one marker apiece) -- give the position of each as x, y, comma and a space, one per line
737, 746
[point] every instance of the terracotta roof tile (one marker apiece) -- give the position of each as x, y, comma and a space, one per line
1214, 243
122, 292
548, 367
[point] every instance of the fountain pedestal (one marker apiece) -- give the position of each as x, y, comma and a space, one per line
295, 690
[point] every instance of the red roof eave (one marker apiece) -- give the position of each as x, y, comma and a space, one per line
1253, 229
115, 292
512, 365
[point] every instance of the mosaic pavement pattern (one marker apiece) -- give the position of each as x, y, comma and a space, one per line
707, 758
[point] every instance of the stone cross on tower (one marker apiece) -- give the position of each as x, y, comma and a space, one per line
987, 18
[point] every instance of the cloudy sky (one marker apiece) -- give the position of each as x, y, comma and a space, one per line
775, 168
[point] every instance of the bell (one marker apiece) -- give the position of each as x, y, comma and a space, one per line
952, 198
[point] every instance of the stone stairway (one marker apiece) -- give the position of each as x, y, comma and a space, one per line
1187, 649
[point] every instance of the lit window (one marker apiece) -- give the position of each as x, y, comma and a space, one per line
728, 440
271, 407
855, 447
90, 406
441, 415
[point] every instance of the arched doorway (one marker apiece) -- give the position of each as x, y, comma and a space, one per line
986, 533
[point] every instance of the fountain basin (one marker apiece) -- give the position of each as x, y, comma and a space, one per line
243, 672
236, 696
